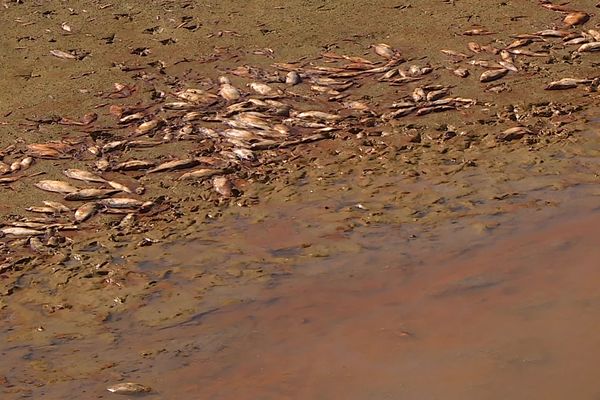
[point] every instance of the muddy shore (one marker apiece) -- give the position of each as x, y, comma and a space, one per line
369, 177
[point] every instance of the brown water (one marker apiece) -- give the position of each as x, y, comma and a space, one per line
516, 319
412, 312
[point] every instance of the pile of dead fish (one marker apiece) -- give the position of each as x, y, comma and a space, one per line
241, 127
502, 60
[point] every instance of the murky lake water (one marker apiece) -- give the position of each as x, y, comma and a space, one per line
402, 312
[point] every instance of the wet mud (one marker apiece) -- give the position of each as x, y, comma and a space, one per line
408, 208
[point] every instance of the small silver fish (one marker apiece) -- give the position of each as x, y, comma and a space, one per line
201, 173
119, 186
58, 207
56, 186
85, 211
515, 133
90, 194
292, 78
492, 75
17, 231
384, 50
81, 175
148, 126
174, 165
223, 186
229, 92
42, 210
129, 388
134, 165
121, 203
589, 47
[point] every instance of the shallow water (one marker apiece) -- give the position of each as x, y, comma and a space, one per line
456, 311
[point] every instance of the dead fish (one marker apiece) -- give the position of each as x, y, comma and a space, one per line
576, 41
565, 83
120, 202
36, 245
133, 165
147, 127
119, 186
131, 118
145, 144
477, 32
238, 134
90, 194
4, 168
506, 56
388, 75
56, 186
185, 132
492, 75
85, 211
318, 115
589, 47
436, 94
594, 34
474, 47
384, 50
461, 72
102, 165
428, 110
178, 106
174, 165
223, 186
356, 105
47, 150
576, 18
115, 145
509, 66
281, 129
399, 113
525, 52
63, 54
252, 120
552, 33
292, 78
262, 89
201, 173
129, 388
485, 64
415, 70
127, 221
197, 96
95, 150
58, 207
192, 116
418, 94
244, 154
515, 133
324, 89
81, 175
229, 92
519, 43
42, 210
556, 7
26, 163
20, 232
454, 53
30, 224
403, 104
